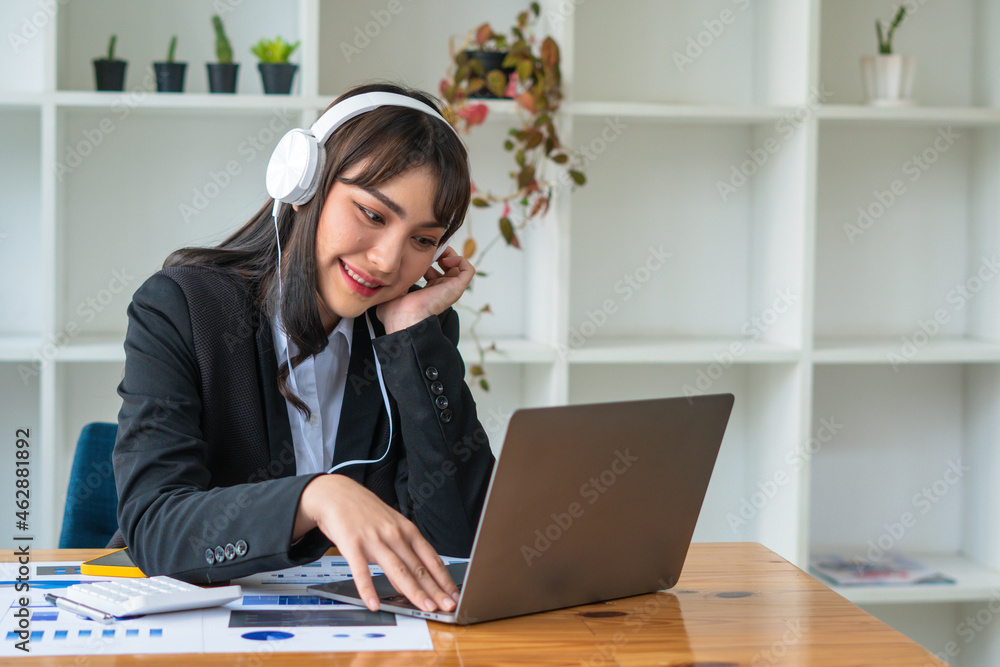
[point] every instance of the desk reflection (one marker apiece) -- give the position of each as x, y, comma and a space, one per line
595, 635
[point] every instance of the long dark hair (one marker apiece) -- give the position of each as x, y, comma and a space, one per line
385, 142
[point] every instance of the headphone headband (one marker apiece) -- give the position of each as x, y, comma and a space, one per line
295, 167
356, 105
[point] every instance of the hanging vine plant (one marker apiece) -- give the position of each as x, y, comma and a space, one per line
516, 66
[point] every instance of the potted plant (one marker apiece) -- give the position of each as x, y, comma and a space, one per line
888, 77
222, 73
540, 159
109, 72
276, 72
170, 74
483, 60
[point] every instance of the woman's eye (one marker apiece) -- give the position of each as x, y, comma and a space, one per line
371, 215
427, 243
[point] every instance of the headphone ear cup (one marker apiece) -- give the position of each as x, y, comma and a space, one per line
293, 167
317, 173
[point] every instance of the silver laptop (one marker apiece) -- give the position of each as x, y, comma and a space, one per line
586, 503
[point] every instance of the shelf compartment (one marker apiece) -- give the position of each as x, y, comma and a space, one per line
21, 406
22, 348
909, 461
144, 32
731, 200
21, 228
27, 27
700, 113
755, 492
973, 582
716, 52
200, 103
956, 33
119, 231
363, 41
906, 232
679, 351
915, 349
915, 116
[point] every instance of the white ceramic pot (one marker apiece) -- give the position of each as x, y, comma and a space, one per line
888, 79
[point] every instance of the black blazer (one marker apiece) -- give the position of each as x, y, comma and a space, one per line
204, 461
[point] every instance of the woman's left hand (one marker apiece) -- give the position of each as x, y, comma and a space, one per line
441, 291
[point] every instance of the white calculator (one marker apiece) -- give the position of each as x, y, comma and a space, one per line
105, 601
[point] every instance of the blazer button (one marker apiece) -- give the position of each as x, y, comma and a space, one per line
241, 548
209, 556
437, 388
230, 551
441, 402
431, 373
220, 554
446, 416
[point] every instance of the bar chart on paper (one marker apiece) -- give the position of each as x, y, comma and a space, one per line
274, 610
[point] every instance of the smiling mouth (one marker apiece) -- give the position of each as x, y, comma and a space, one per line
358, 279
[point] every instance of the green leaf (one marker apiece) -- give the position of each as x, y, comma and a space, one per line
479, 202
560, 158
577, 177
532, 139
476, 370
519, 157
507, 230
484, 384
508, 145
525, 69
526, 176
496, 82
512, 59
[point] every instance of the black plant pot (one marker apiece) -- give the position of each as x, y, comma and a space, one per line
277, 77
491, 60
109, 74
222, 77
170, 77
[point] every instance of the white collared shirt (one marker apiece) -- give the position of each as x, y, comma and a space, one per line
319, 382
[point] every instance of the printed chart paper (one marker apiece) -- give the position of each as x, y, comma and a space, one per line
274, 615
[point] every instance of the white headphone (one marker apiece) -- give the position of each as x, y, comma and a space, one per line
294, 171
293, 176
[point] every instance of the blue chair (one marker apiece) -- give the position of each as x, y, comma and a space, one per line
90, 518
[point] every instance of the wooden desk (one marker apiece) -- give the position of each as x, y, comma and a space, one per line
736, 605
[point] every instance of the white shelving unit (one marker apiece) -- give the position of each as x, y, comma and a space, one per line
748, 226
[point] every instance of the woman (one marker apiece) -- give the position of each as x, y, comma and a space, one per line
222, 453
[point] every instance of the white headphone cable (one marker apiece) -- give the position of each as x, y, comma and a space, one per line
275, 212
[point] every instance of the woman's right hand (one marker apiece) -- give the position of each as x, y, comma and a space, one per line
366, 530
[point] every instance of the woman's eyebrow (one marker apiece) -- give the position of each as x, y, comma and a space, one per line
396, 208
389, 203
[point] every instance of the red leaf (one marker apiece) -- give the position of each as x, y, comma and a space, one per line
474, 114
